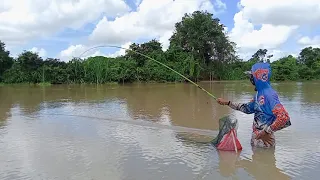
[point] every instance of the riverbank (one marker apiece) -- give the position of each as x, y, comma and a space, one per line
151, 82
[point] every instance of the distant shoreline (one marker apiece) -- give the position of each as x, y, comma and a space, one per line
152, 82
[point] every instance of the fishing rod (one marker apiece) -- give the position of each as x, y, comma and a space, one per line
154, 61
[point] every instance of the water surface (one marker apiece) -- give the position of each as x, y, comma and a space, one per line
153, 131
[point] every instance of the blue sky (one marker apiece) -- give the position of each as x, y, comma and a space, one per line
79, 28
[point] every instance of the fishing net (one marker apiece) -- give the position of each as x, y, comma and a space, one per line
227, 138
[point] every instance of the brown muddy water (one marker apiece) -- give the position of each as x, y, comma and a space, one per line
154, 131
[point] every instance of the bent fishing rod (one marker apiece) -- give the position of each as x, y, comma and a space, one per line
154, 61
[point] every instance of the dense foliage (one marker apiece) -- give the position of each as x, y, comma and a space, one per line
199, 49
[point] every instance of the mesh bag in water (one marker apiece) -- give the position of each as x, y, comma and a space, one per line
227, 138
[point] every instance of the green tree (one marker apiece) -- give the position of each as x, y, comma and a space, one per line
54, 71
147, 48
310, 57
5, 60
203, 36
285, 68
261, 56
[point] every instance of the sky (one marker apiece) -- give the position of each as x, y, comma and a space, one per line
67, 28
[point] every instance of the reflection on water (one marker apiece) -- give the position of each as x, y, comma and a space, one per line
261, 165
154, 131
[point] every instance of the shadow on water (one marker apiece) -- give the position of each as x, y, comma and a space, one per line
262, 164
5, 107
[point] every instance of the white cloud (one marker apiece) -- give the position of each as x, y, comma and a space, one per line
5, 6
277, 54
77, 51
41, 52
284, 12
21, 21
83, 51
120, 52
220, 5
153, 19
259, 24
269, 23
268, 36
307, 41
164, 40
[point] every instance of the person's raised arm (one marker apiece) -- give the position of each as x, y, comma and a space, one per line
247, 108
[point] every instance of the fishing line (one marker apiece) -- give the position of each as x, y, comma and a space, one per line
137, 122
154, 61
194, 135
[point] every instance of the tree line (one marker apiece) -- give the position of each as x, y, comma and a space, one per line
199, 49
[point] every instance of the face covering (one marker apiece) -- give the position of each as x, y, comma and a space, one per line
252, 80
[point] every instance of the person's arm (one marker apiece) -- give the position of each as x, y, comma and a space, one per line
247, 108
282, 118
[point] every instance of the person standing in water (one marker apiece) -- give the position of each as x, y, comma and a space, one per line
269, 114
